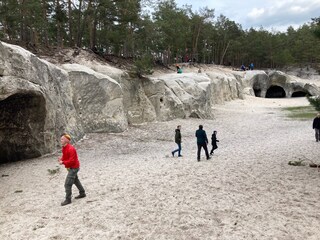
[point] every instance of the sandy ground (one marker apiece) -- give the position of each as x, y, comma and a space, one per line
136, 190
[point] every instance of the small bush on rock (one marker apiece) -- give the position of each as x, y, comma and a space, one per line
143, 66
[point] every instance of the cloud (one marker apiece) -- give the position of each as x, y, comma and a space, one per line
285, 13
256, 12
298, 9
276, 14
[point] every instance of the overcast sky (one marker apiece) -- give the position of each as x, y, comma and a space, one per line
270, 14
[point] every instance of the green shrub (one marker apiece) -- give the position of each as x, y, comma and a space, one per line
315, 102
300, 112
54, 171
143, 65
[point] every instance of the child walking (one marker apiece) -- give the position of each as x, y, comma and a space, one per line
214, 141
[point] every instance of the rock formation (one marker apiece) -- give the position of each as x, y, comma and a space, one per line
98, 100
276, 84
39, 100
35, 105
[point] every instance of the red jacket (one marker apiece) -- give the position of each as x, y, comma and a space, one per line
70, 157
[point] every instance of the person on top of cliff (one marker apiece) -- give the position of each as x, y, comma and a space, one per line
70, 160
179, 69
251, 66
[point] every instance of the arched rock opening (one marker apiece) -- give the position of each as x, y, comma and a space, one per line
300, 94
22, 118
275, 92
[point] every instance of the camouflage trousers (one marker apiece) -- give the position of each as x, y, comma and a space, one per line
72, 178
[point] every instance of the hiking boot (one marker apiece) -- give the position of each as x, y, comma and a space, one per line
198, 159
66, 202
80, 196
180, 156
208, 158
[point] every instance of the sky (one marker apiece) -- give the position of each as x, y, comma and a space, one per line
270, 14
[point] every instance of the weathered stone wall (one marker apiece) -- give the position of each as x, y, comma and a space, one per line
39, 101
98, 100
35, 104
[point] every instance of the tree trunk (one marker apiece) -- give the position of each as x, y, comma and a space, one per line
90, 21
224, 53
195, 47
71, 41
59, 30
93, 36
85, 22
23, 22
45, 28
79, 25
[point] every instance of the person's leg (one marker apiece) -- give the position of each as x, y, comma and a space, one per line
176, 150
317, 132
179, 149
198, 153
79, 186
68, 185
211, 152
206, 151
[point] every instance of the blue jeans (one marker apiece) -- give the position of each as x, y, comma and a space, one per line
177, 150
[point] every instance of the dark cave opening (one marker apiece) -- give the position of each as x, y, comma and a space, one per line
300, 94
275, 92
22, 118
257, 92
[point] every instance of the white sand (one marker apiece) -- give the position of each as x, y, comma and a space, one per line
136, 190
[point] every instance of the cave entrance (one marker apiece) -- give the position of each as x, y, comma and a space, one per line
22, 118
275, 92
300, 94
257, 92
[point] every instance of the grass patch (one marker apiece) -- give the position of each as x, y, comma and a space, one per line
54, 171
301, 112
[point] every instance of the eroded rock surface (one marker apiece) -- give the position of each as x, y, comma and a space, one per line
35, 105
39, 100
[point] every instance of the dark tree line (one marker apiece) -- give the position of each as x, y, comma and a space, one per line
169, 34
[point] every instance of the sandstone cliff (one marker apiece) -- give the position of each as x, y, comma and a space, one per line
39, 100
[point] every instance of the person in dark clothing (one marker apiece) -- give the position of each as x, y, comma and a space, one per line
177, 139
251, 66
316, 126
202, 142
214, 141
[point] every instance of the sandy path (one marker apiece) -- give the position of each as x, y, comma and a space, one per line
136, 190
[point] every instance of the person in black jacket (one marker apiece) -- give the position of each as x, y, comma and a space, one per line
177, 139
202, 142
214, 141
316, 126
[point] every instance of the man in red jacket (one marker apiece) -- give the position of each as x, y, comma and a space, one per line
70, 160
